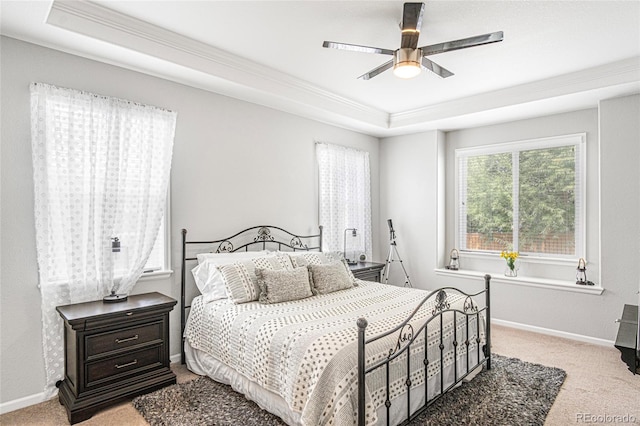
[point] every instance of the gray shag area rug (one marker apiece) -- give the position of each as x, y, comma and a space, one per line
513, 392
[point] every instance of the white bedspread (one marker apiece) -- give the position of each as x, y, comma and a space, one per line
306, 351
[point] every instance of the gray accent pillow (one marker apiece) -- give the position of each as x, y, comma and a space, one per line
306, 258
330, 277
240, 277
283, 285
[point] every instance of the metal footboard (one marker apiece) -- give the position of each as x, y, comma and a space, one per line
407, 337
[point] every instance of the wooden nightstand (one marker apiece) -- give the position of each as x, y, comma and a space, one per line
114, 351
367, 271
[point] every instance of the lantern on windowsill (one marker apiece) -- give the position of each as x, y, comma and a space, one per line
454, 260
581, 272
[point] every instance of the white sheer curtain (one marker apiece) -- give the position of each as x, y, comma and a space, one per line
101, 170
345, 196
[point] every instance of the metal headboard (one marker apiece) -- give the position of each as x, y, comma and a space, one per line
261, 237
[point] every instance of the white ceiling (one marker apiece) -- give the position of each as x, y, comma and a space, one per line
556, 55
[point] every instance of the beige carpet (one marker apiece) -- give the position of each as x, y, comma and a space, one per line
597, 384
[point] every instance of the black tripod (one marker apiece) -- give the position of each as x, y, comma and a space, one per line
393, 250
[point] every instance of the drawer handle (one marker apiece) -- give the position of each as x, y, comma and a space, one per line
134, 362
128, 339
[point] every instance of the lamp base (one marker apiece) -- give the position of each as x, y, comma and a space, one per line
114, 298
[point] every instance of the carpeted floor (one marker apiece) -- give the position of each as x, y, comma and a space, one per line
598, 384
512, 392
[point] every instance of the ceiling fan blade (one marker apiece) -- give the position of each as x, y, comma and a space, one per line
411, 24
382, 68
357, 48
435, 68
462, 43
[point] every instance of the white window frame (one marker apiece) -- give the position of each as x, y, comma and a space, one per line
578, 140
165, 228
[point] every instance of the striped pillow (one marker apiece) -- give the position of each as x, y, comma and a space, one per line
305, 258
240, 277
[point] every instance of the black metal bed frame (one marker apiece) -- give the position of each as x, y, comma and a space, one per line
264, 236
254, 237
407, 336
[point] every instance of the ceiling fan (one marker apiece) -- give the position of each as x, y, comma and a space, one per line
410, 59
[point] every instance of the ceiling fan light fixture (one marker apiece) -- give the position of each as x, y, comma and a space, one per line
406, 63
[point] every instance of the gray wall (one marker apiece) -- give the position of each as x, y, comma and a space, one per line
620, 180
409, 196
235, 164
420, 158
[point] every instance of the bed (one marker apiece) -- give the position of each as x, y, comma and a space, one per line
351, 352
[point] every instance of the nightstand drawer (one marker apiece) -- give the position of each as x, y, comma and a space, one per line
370, 275
124, 338
118, 367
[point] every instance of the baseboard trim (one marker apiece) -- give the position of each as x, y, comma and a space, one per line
16, 404
551, 332
175, 358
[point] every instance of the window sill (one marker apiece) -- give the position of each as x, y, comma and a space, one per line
525, 281
155, 275
523, 258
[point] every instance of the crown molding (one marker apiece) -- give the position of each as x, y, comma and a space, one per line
624, 73
279, 90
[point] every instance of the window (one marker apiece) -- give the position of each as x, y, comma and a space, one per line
158, 260
345, 199
524, 196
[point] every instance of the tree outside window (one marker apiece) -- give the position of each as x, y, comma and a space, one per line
525, 197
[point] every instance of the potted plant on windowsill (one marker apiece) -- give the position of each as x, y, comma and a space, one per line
512, 269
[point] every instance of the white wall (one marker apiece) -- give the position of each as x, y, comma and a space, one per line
235, 165
416, 157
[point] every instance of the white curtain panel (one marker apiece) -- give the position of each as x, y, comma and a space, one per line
345, 196
101, 170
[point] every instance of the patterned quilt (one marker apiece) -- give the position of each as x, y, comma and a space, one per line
306, 350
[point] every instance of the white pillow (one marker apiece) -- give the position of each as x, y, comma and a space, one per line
207, 276
224, 257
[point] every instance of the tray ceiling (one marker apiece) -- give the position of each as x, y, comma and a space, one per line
556, 55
